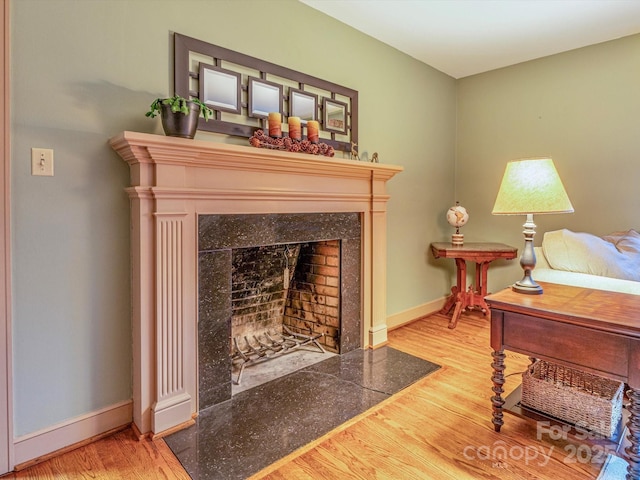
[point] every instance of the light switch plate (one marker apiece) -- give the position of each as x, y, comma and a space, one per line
42, 162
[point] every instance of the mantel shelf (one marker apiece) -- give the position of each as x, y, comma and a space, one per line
137, 147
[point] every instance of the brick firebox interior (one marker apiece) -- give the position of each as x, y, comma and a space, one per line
296, 285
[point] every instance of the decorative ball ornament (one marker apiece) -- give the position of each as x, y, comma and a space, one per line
457, 216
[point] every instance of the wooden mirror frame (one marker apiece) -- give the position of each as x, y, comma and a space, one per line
268, 72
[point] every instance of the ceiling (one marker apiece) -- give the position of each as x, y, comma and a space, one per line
465, 37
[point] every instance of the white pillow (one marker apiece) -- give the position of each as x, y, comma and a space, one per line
616, 255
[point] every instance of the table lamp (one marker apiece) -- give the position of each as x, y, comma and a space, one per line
530, 185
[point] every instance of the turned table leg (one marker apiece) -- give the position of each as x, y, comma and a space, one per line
633, 424
498, 381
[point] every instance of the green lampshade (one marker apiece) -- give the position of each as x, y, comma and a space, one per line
531, 186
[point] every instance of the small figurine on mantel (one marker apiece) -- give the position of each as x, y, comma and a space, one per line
457, 216
354, 152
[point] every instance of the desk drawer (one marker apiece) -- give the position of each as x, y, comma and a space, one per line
605, 352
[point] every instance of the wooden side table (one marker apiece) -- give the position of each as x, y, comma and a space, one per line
592, 330
480, 253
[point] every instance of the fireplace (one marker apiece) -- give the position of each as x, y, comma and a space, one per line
262, 247
178, 187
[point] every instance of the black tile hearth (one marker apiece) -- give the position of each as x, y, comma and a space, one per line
239, 437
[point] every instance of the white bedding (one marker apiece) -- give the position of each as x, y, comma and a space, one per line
616, 255
585, 280
584, 260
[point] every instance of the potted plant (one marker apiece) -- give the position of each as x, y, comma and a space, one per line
179, 115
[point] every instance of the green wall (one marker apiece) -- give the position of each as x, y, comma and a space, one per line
84, 70
581, 108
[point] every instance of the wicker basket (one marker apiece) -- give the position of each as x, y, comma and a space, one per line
584, 400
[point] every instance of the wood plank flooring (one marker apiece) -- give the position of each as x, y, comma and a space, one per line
438, 428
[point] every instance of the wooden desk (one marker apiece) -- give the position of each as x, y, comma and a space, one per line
591, 330
480, 253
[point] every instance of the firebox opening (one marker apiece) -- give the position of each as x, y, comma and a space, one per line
285, 302
222, 237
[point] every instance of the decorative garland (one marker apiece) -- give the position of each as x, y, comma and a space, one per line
261, 140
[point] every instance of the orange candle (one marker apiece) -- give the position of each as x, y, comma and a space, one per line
295, 130
275, 124
312, 131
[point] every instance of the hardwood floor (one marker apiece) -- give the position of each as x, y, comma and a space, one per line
438, 428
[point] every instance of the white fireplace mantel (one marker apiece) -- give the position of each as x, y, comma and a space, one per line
173, 180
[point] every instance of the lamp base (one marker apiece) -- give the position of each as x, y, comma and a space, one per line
457, 239
529, 288
528, 261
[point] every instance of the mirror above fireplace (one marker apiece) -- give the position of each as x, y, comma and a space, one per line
246, 89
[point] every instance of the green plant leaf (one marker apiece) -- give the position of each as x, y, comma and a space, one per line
178, 104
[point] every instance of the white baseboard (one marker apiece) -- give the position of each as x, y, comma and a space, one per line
407, 316
30, 447
377, 336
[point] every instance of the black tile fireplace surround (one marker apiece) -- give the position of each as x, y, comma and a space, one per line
218, 235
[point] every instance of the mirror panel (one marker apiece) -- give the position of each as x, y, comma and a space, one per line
264, 97
335, 115
302, 104
220, 89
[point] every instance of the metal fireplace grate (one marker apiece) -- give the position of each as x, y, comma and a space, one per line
270, 346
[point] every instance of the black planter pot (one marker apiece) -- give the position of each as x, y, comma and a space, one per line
178, 124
